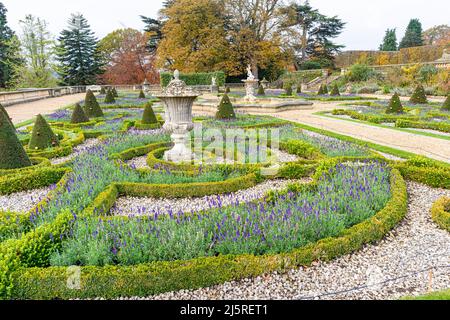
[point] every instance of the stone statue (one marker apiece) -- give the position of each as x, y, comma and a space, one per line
214, 81
250, 75
176, 75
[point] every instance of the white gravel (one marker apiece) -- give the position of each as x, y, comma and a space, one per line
389, 156
126, 206
411, 260
80, 149
23, 201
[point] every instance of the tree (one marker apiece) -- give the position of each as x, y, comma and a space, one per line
10, 59
225, 110
12, 155
438, 35
43, 136
308, 33
126, 58
141, 95
446, 105
389, 41
77, 53
149, 116
261, 91
109, 99
413, 35
335, 90
38, 51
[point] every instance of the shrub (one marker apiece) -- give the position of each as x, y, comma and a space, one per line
141, 94
193, 79
2, 109
323, 90
78, 115
114, 92
149, 116
109, 99
446, 105
299, 88
288, 89
103, 90
419, 96
395, 105
261, 91
359, 73
335, 90
225, 110
91, 106
43, 136
12, 154
440, 212
227, 90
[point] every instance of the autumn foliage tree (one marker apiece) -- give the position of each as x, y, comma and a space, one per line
129, 61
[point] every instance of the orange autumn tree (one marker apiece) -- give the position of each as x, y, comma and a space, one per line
127, 58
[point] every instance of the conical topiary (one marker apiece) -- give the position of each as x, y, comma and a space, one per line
261, 91
288, 90
91, 106
2, 109
225, 110
446, 105
42, 136
227, 90
78, 115
299, 88
109, 99
323, 90
114, 92
103, 90
149, 116
12, 154
395, 105
419, 96
335, 90
141, 95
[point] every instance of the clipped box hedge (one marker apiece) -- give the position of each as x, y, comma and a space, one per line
195, 79
438, 126
158, 277
440, 213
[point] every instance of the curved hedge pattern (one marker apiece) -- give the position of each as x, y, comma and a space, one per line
440, 212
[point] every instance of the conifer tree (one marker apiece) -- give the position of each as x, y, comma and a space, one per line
102, 90
114, 92
413, 35
225, 110
2, 109
446, 105
109, 99
335, 90
43, 136
389, 41
261, 91
141, 95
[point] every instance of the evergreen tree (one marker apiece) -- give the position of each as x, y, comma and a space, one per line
78, 115
12, 155
413, 35
109, 99
42, 136
446, 105
91, 106
299, 88
227, 90
77, 53
261, 91
419, 96
389, 41
288, 90
395, 105
225, 110
149, 116
10, 58
141, 95
335, 90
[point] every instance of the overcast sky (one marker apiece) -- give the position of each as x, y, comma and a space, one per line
366, 19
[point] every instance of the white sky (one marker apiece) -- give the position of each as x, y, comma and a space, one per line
366, 19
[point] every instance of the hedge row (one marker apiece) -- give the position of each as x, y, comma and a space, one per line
433, 176
195, 79
439, 126
372, 118
138, 125
440, 212
302, 149
158, 277
36, 161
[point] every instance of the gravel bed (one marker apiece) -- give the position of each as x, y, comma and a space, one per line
395, 267
80, 149
126, 206
23, 201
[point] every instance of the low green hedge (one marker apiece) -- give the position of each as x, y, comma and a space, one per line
158, 277
194, 79
302, 149
436, 177
51, 153
37, 162
372, 118
440, 212
138, 125
438, 126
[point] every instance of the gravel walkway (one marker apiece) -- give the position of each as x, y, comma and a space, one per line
126, 206
417, 244
23, 201
80, 149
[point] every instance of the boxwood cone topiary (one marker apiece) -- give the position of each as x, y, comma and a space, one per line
43, 136
12, 154
225, 110
261, 91
115, 94
446, 105
141, 95
109, 99
78, 115
227, 90
335, 90
299, 88
419, 96
103, 90
288, 90
323, 90
2, 109
395, 105
91, 106
149, 116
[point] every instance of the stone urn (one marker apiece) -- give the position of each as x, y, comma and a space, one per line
178, 100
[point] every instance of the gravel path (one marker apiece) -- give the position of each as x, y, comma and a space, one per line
126, 206
80, 149
417, 244
23, 201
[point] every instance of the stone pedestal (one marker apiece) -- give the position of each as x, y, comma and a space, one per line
250, 88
